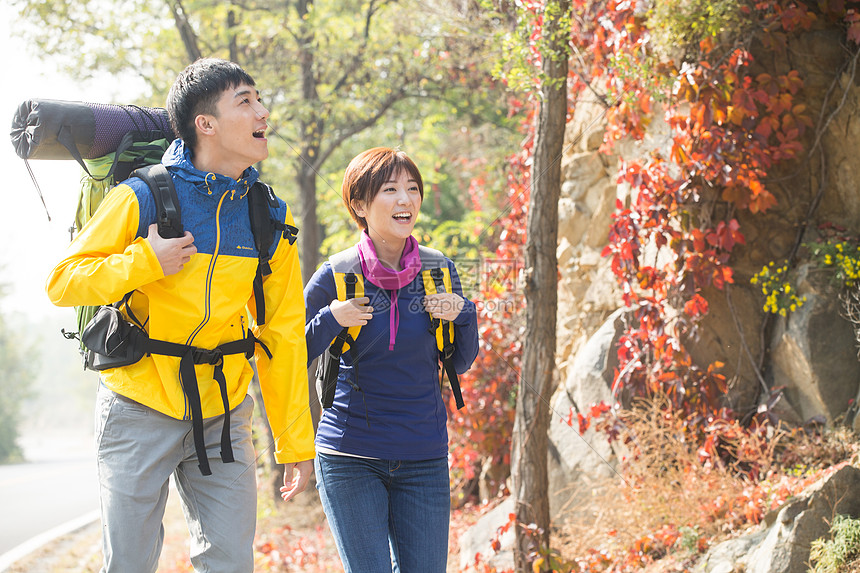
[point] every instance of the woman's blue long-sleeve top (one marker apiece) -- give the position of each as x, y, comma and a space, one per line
399, 412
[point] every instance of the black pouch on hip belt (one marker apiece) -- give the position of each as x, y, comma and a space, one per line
111, 340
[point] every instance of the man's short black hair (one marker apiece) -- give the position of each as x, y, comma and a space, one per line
196, 91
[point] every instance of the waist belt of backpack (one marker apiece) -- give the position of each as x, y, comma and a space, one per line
189, 356
444, 332
345, 339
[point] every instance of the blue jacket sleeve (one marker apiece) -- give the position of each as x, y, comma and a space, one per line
320, 324
465, 328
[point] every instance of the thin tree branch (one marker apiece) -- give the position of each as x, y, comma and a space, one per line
822, 127
355, 62
358, 127
747, 351
186, 32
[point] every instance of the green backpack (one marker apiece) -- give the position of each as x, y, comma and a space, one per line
102, 173
98, 177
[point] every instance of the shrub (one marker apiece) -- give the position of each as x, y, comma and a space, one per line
678, 495
829, 555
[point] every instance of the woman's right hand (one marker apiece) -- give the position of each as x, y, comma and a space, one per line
352, 312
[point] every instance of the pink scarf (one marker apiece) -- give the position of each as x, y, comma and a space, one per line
388, 279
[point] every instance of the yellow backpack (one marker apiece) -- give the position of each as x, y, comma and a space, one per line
349, 282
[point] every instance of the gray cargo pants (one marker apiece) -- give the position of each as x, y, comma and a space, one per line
138, 449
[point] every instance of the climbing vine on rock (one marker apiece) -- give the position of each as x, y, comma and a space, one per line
673, 238
729, 126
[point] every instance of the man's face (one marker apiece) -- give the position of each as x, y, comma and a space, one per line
239, 138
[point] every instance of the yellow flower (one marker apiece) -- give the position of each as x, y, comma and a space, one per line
782, 312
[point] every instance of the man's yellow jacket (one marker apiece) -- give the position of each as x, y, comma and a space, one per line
208, 303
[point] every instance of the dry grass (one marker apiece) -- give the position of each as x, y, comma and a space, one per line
663, 484
853, 567
669, 500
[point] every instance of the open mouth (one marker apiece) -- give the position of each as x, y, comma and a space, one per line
260, 134
403, 217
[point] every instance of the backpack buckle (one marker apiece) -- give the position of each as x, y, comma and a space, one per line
204, 356
290, 233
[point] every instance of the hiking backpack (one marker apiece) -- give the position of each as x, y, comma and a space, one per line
113, 143
349, 282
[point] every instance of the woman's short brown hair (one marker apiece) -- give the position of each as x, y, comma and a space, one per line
369, 171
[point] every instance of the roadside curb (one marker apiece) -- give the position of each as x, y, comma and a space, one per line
21, 551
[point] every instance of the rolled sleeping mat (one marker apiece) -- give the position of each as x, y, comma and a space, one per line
54, 129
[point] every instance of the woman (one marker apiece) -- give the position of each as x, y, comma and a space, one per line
382, 446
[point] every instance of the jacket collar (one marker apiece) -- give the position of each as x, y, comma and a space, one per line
177, 159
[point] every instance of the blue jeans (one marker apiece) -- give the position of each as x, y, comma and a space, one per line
386, 515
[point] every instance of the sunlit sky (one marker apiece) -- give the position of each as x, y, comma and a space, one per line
30, 245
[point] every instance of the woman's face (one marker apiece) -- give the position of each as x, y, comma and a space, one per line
392, 214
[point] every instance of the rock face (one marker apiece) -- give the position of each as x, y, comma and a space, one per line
811, 352
782, 542
805, 349
476, 542
577, 461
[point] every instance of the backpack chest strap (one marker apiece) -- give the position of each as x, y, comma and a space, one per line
349, 283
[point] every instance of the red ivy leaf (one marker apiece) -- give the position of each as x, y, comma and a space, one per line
696, 306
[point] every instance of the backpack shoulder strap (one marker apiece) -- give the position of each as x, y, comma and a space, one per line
436, 277
167, 213
434, 271
431, 258
346, 261
349, 283
261, 199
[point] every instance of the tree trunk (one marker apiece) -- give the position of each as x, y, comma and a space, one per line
529, 443
311, 132
232, 46
310, 228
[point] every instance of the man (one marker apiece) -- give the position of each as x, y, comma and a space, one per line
196, 290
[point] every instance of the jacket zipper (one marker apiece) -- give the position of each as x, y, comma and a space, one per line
210, 272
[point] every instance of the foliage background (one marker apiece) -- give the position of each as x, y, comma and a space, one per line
455, 83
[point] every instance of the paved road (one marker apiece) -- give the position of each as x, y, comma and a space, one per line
57, 487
